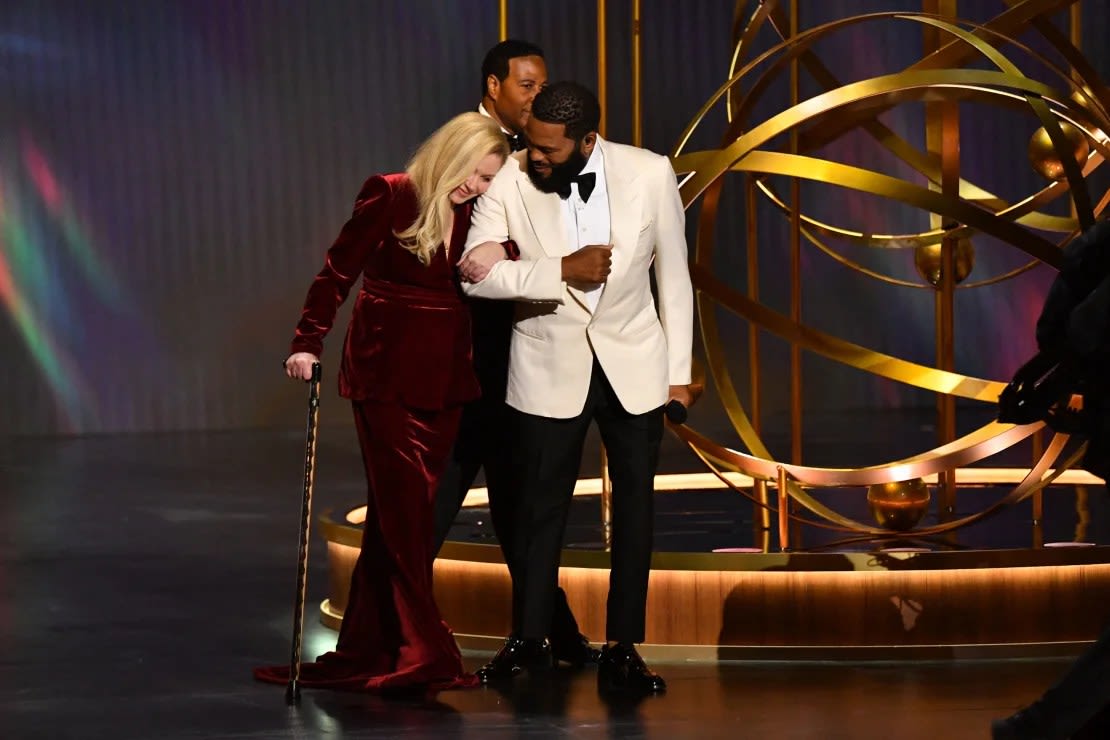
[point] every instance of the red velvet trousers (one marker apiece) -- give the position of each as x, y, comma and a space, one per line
392, 634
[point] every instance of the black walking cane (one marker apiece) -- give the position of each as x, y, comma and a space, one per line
293, 690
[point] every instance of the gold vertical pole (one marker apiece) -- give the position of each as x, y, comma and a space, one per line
795, 269
942, 133
1075, 28
753, 294
503, 20
1038, 518
606, 487
1038, 497
950, 186
601, 66
1082, 514
1075, 35
606, 500
784, 509
763, 536
761, 518
637, 103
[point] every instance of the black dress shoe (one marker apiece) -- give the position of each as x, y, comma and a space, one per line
577, 651
621, 668
514, 657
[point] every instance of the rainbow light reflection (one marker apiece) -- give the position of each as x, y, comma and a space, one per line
34, 210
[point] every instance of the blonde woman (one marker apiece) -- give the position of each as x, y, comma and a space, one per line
407, 369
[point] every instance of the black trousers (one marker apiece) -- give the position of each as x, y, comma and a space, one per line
486, 441
479, 445
550, 452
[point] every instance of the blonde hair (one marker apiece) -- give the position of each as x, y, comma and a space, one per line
442, 163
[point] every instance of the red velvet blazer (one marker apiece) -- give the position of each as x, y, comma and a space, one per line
409, 337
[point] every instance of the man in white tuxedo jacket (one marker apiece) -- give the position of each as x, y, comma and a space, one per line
590, 219
513, 72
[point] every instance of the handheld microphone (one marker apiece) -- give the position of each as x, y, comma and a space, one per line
676, 412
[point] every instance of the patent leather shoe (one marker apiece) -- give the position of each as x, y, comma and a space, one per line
515, 657
576, 651
620, 668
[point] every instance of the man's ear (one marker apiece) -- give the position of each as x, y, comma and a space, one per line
493, 86
588, 142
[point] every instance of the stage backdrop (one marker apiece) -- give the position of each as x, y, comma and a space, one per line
171, 173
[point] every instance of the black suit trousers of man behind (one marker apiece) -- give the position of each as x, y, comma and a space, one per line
486, 441
550, 452
483, 429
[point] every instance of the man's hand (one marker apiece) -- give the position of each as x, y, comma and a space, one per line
687, 395
476, 263
299, 365
589, 264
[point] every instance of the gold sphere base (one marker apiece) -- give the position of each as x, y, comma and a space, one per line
899, 506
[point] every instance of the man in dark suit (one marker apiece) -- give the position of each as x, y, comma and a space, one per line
1074, 327
513, 72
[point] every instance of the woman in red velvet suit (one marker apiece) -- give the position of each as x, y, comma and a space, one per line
407, 370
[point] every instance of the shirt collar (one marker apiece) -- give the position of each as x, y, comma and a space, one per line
596, 163
484, 112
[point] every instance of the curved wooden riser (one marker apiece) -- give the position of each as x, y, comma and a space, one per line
774, 613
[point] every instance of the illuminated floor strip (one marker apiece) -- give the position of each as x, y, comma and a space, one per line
708, 481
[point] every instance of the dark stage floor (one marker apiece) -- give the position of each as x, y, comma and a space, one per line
141, 577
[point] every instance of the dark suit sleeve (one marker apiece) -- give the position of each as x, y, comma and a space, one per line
1074, 315
345, 260
1089, 322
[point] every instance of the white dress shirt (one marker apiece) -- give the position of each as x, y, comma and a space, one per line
587, 222
484, 112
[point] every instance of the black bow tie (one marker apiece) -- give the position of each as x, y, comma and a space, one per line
586, 184
516, 142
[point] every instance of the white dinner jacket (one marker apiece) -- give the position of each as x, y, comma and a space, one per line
641, 349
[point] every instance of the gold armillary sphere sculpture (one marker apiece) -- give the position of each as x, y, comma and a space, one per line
971, 62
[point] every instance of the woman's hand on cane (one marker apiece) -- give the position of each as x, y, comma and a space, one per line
299, 365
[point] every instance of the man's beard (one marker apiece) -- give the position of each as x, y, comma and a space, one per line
560, 175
